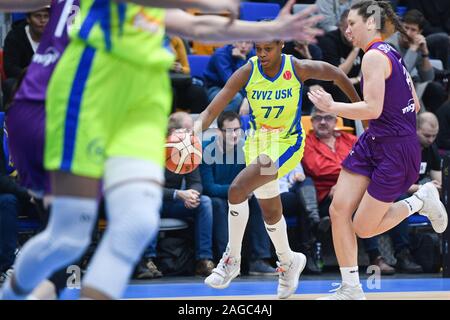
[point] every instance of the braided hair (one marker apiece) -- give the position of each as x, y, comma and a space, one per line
368, 8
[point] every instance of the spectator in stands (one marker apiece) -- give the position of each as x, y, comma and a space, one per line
223, 160
430, 167
22, 41
332, 11
12, 197
338, 50
187, 95
303, 50
415, 55
325, 149
443, 114
20, 45
184, 203
430, 170
309, 51
297, 201
223, 63
437, 26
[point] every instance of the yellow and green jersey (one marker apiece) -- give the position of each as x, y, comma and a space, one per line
130, 32
275, 112
275, 102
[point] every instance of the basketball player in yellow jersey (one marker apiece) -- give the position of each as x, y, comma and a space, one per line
273, 83
98, 124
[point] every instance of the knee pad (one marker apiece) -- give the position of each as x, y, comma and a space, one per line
65, 239
133, 200
268, 191
69, 230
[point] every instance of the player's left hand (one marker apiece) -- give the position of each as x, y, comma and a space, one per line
321, 99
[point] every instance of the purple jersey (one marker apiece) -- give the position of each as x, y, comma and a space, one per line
51, 47
398, 117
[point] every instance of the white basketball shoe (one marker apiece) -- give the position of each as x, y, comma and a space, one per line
227, 269
346, 292
289, 275
432, 208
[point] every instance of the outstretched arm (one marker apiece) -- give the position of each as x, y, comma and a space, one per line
216, 6
22, 5
231, 6
206, 28
221, 100
319, 70
375, 68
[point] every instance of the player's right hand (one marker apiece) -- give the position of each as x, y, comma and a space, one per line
300, 26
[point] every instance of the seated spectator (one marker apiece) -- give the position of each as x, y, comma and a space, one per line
184, 203
338, 50
443, 114
22, 42
437, 26
223, 63
303, 205
187, 95
325, 149
303, 50
20, 45
430, 170
223, 160
415, 54
430, 167
332, 11
12, 198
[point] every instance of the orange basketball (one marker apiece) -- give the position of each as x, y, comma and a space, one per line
183, 152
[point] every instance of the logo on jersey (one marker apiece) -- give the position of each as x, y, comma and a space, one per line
287, 75
50, 57
96, 150
410, 108
147, 23
384, 47
272, 95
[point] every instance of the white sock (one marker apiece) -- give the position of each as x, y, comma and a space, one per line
350, 276
278, 234
237, 221
413, 204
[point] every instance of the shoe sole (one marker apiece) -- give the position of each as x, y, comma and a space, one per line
302, 267
268, 274
226, 284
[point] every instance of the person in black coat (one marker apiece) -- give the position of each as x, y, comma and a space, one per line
22, 41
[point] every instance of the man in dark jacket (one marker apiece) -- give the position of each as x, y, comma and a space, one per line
11, 198
22, 41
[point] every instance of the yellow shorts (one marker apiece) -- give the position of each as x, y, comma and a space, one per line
99, 106
286, 153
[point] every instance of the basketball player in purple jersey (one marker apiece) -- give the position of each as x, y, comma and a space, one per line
25, 119
26, 115
385, 161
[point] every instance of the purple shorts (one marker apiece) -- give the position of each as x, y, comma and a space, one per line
391, 163
25, 123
